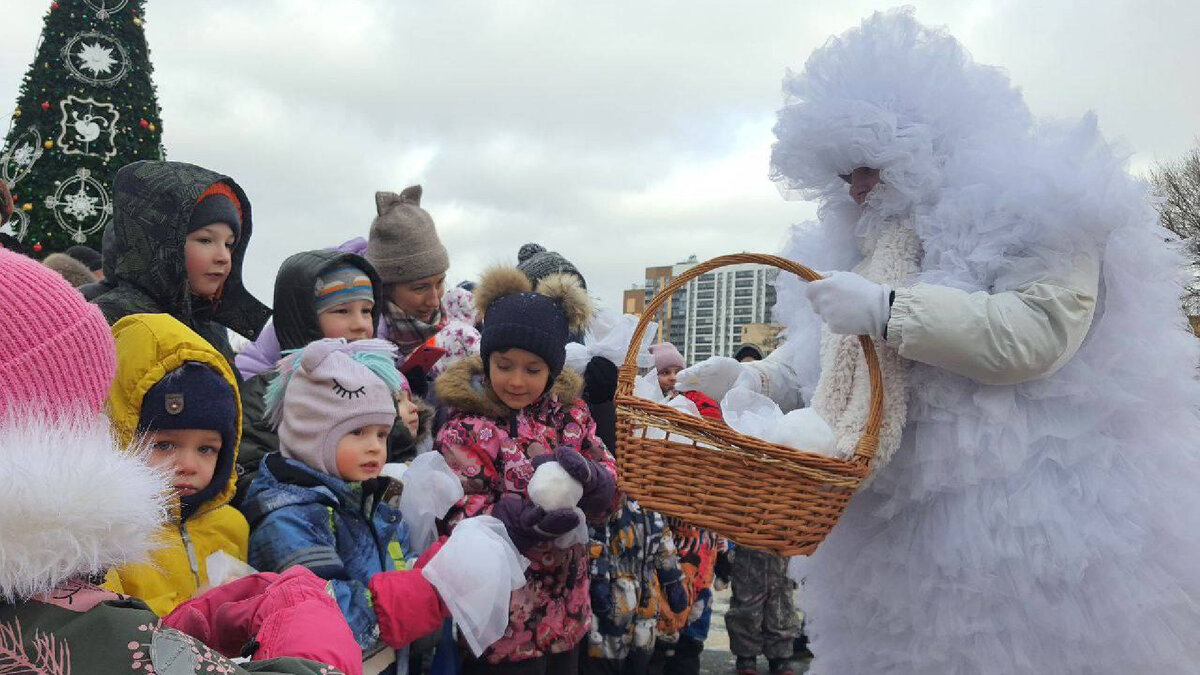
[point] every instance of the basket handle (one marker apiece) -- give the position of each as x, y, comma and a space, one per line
869, 441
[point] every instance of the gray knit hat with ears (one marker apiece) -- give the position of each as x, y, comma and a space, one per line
404, 244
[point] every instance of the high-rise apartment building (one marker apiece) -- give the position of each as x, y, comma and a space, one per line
706, 317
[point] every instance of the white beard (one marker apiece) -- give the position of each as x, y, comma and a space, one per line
843, 393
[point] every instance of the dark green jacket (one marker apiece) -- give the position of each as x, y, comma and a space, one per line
144, 270
79, 628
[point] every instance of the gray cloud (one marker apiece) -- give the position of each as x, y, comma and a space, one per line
622, 134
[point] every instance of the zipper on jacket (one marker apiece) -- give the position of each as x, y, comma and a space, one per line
191, 553
369, 516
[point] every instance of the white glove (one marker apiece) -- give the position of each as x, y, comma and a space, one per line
714, 377
850, 304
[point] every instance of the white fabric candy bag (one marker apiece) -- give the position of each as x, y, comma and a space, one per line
223, 568
551, 487
608, 336
430, 488
647, 387
749, 412
475, 572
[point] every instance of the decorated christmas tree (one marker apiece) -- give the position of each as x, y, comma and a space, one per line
87, 107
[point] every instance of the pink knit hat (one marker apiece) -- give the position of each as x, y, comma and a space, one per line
56, 351
665, 356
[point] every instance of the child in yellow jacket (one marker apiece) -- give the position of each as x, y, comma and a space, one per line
178, 396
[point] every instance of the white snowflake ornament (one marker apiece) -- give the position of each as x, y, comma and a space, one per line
96, 58
81, 205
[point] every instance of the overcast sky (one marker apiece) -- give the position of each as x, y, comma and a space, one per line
622, 134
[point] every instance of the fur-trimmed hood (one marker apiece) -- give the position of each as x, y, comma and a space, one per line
73, 503
463, 387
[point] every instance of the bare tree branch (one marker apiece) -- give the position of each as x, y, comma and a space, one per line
1176, 189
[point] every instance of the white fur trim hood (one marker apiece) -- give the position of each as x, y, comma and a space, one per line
72, 503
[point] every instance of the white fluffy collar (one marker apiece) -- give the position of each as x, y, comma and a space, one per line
72, 503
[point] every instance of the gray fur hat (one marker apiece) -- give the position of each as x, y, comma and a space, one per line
76, 273
404, 245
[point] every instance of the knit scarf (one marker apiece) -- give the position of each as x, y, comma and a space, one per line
407, 332
842, 396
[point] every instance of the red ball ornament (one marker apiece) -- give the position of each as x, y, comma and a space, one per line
144, 124
45, 105
37, 247
54, 5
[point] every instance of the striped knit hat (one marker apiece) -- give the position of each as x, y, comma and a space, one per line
341, 285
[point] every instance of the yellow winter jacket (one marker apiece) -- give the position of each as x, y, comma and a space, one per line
148, 347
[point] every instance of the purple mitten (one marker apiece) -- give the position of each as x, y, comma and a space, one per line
529, 524
598, 484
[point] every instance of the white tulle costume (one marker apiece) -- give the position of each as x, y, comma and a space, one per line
1047, 521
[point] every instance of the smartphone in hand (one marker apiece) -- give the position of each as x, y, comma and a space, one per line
422, 358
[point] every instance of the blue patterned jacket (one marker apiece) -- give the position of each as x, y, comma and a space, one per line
343, 532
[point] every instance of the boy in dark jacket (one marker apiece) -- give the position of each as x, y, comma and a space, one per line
175, 246
319, 294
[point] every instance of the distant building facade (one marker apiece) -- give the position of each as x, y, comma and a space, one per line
707, 317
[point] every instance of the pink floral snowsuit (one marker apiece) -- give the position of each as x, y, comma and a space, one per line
491, 447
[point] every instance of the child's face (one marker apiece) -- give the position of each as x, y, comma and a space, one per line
362, 452
518, 377
666, 379
190, 455
209, 258
350, 320
420, 299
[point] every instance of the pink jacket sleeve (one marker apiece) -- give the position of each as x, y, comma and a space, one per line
471, 446
288, 614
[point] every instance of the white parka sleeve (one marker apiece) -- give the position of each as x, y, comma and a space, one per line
1002, 338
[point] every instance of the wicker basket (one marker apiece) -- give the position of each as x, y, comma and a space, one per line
758, 494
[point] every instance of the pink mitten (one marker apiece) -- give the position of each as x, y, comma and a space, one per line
407, 605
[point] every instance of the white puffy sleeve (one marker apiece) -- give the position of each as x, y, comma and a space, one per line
998, 338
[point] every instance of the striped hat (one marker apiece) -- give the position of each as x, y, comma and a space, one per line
341, 285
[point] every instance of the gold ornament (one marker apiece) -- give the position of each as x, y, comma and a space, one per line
27, 206
137, 21
48, 144
152, 126
17, 112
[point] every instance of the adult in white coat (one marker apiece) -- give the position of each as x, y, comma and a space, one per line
1034, 504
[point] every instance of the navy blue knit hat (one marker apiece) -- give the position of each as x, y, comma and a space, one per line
194, 396
541, 322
